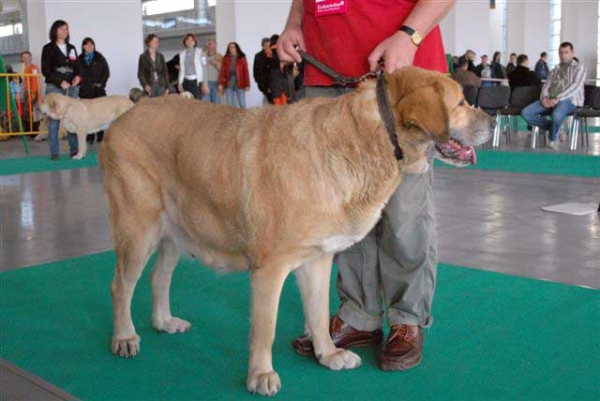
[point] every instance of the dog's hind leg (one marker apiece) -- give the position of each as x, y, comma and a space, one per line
166, 261
81, 144
267, 283
135, 214
313, 281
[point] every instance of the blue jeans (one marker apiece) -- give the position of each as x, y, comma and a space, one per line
213, 95
535, 114
241, 97
54, 124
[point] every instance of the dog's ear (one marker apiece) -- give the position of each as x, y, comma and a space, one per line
425, 108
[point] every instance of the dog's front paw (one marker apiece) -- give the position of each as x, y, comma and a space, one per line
78, 156
172, 325
340, 359
126, 347
264, 383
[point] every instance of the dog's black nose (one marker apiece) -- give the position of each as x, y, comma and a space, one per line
493, 124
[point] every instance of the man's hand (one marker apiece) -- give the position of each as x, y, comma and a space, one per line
397, 51
553, 102
148, 89
205, 89
286, 45
65, 85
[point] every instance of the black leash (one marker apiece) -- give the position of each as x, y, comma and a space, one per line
383, 102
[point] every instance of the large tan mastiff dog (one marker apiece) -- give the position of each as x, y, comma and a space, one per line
270, 190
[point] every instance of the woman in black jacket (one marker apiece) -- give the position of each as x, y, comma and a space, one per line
94, 73
59, 68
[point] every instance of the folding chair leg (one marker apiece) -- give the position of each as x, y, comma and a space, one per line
586, 133
574, 133
508, 130
534, 134
496, 140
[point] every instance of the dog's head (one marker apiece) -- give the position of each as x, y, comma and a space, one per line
54, 105
136, 95
432, 116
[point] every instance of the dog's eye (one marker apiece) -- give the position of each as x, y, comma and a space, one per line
462, 103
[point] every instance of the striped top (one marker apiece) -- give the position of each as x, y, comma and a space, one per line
574, 91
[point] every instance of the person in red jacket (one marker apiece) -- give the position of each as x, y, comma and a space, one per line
234, 77
395, 264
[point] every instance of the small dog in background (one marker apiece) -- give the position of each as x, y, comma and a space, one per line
136, 95
84, 116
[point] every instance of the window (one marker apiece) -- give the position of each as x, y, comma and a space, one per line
10, 30
598, 57
155, 7
555, 27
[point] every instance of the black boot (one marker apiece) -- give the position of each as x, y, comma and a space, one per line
90, 138
99, 136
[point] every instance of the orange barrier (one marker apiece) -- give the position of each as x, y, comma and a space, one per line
24, 101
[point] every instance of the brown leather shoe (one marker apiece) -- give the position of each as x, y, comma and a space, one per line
403, 349
343, 336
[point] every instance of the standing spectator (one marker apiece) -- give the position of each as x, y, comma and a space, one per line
193, 74
561, 94
31, 87
498, 70
541, 67
59, 59
152, 69
386, 267
512, 63
522, 75
215, 60
234, 77
484, 71
463, 76
471, 56
261, 70
94, 74
278, 80
173, 71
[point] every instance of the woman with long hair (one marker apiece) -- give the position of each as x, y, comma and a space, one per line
235, 78
62, 76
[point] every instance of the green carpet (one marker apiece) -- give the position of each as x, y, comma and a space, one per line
515, 162
535, 163
37, 164
494, 337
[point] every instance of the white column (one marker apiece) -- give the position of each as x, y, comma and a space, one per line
116, 27
247, 22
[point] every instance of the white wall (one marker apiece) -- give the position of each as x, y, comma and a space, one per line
246, 23
116, 27
579, 26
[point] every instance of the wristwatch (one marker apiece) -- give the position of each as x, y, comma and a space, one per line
414, 35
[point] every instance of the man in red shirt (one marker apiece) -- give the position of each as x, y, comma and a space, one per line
396, 262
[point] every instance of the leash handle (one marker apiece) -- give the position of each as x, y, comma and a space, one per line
338, 79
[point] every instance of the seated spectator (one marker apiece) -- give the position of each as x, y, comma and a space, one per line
562, 93
463, 76
541, 67
498, 70
512, 63
471, 56
522, 75
484, 70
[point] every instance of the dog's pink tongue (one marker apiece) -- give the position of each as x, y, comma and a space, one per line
457, 151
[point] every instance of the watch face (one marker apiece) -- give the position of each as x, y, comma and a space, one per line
416, 37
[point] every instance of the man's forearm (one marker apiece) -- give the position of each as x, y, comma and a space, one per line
296, 13
427, 14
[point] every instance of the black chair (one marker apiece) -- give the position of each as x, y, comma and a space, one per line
492, 99
590, 109
520, 98
470, 93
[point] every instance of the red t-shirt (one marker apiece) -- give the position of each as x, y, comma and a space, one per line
345, 41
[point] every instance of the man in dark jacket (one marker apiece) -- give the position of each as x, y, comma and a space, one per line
261, 69
541, 67
522, 75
